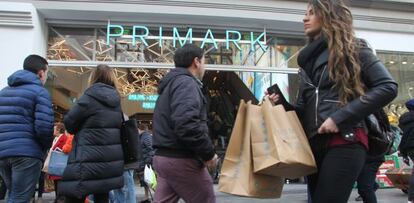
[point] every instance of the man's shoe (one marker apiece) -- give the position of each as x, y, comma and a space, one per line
358, 199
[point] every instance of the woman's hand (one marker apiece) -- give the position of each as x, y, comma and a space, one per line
275, 98
329, 126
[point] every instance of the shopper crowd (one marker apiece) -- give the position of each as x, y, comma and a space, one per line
82, 157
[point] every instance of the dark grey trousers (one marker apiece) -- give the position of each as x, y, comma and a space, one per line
182, 178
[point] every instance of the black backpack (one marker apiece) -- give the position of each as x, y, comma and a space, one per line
380, 135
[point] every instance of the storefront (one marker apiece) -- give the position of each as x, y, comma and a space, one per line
249, 45
238, 64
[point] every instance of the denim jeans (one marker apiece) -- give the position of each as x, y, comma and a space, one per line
127, 193
20, 175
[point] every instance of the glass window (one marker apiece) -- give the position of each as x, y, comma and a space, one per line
401, 67
91, 45
67, 44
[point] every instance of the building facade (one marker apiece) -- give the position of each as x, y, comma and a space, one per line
257, 39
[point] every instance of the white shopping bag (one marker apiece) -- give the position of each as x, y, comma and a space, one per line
149, 177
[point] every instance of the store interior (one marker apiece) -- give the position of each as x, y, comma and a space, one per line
138, 90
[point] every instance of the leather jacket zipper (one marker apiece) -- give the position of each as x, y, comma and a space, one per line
332, 101
317, 96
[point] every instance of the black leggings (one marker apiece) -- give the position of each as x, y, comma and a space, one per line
338, 169
411, 188
98, 198
41, 185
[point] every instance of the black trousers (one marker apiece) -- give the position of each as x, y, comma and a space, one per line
338, 169
411, 188
98, 198
366, 180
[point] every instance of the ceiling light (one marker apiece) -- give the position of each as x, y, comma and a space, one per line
404, 62
392, 62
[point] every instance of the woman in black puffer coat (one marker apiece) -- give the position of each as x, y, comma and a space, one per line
95, 165
407, 126
407, 141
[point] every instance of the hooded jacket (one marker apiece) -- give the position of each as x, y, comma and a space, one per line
407, 126
95, 164
26, 117
180, 118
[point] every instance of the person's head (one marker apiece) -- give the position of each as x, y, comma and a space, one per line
103, 74
59, 129
142, 127
410, 104
332, 20
192, 57
37, 65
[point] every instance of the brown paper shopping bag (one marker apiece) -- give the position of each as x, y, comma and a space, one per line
280, 147
237, 175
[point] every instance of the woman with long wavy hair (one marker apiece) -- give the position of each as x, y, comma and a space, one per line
341, 83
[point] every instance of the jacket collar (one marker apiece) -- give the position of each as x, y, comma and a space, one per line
322, 59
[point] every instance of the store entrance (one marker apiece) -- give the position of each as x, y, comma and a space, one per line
138, 89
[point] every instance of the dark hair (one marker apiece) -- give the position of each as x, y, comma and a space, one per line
35, 63
60, 127
103, 74
185, 55
142, 126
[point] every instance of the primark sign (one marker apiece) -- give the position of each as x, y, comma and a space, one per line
181, 37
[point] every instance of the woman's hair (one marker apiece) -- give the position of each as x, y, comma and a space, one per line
343, 63
60, 127
103, 74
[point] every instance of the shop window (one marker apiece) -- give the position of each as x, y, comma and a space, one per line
66, 44
80, 44
401, 67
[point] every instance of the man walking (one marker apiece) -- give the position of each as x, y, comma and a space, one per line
26, 128
183, 147
145, 141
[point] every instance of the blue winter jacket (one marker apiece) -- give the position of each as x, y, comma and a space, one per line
26, 117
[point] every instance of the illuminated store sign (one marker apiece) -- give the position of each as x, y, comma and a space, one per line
141, 33
148, 101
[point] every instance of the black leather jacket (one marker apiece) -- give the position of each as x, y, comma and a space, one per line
317, 102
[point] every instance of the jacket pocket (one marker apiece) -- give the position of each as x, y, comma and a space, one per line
331, 101
327, 107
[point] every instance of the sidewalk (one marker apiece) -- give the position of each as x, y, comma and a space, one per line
292, 193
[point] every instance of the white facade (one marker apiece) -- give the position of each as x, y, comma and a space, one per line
22, 32
24, 24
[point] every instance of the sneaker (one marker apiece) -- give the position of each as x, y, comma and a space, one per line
358, 199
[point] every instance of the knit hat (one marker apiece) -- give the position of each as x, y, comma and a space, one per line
410, 104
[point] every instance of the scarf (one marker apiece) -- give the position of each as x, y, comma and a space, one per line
308, 56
